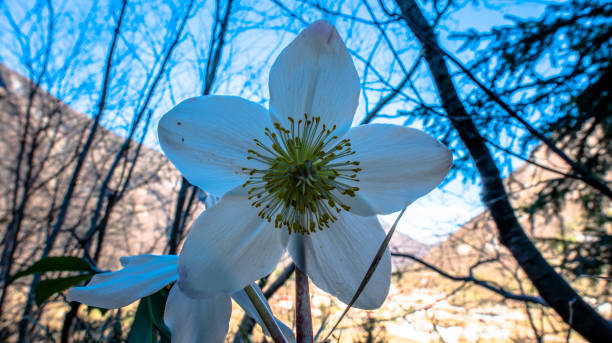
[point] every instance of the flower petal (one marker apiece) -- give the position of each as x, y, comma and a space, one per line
399, 165
142, 275
315, 74
197, 320
228, 248
207, 139
337, 258
243, 300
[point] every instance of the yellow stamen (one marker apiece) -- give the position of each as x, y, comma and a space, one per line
300, 186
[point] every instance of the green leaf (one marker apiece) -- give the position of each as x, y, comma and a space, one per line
156, 304
56, 264
46, 288
142, 328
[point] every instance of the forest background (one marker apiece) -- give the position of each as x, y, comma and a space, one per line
526, 115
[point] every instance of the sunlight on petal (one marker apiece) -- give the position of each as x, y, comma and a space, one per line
315, 75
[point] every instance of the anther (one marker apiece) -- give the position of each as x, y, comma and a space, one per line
303, 169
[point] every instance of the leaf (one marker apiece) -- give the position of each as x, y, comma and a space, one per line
142, 328
156, 304
46, 288
56, 264
149, 317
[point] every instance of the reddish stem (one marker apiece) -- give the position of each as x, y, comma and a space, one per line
303, 318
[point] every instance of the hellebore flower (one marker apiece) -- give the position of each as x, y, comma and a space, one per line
296, 177
189, 320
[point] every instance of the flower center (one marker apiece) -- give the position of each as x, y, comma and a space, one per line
299, 188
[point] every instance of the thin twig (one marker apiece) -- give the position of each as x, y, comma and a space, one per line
472, 279
280, 281
369, 273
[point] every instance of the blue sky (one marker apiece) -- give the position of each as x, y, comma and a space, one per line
244, 71
431, 218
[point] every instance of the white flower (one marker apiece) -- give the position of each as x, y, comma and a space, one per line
189, 320
296, 177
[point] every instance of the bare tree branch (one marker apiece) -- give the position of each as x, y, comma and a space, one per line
551, 286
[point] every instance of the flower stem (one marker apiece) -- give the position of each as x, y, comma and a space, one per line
303, 318
265, 315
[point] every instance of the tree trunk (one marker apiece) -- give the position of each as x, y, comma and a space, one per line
551, 286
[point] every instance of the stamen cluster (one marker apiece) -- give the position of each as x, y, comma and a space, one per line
299, 188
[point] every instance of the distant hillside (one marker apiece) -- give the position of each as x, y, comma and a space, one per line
465, 312
402, 243
137, 224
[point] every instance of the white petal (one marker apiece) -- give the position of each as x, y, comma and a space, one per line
337, 258
207, 139
142, 276
228, 248
315, 74
399, 165
243, 300
197, 320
